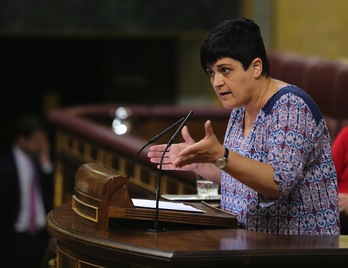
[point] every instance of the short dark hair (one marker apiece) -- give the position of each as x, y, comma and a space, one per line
28, 124
239, 39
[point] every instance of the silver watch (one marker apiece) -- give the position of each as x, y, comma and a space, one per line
222, 162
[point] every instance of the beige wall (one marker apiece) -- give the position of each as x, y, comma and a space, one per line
193, 84
312, 27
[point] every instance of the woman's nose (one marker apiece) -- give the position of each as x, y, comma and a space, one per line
217, 80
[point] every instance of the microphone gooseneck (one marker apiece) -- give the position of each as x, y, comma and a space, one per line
158, 188
155, 138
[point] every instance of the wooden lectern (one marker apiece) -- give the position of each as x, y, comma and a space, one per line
100, 195
84, 238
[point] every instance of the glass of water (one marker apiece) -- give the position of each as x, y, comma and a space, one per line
206, 187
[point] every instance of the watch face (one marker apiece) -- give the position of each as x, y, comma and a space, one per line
221, 163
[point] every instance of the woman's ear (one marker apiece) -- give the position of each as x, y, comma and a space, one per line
257, 67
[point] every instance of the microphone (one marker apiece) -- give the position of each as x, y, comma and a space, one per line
158, 188
155, 138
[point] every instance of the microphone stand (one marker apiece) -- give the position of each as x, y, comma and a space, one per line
155, 138
158, 188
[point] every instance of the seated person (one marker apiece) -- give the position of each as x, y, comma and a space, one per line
340, 156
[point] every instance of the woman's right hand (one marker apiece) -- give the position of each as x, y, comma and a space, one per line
156, 152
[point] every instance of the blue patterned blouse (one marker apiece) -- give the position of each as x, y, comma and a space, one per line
290, 134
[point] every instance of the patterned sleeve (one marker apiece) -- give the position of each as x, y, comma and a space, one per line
292, 132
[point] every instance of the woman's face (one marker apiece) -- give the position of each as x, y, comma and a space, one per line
233, 85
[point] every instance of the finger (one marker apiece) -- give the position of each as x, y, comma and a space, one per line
155, 154
186, 135
181, 163
184, 160
167, 167
160, 147
158, 158
208, 129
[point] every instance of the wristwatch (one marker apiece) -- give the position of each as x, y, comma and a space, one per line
222, 162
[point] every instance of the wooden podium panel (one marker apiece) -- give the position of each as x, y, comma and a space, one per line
100, 195
130, 245
102, 228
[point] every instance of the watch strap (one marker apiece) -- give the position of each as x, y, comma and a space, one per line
226, 153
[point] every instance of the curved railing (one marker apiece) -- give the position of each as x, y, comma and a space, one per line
84, 134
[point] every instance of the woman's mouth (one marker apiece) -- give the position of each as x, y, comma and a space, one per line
222, 94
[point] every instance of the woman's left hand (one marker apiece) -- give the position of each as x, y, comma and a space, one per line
207, 150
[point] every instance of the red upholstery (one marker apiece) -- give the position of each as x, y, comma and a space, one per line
296, 68
277, 64
325, 81
321, 85
341, 107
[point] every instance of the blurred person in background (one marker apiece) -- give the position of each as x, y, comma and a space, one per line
340, 156
26, 192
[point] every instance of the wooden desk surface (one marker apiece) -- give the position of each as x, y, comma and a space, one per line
128, 244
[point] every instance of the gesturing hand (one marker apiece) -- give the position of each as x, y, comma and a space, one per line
172, 153
207, 150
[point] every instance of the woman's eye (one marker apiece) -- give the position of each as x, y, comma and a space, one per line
210, 73
225, 70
